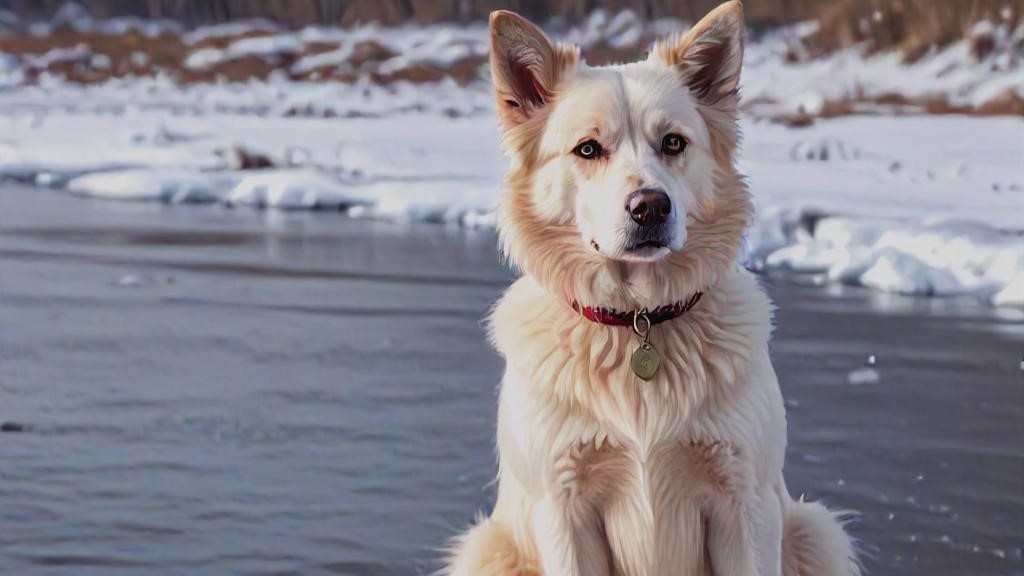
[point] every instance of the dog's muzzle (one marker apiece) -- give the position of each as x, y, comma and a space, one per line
649, 224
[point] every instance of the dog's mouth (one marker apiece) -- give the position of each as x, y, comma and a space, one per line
647, 245
646, 249
640, 244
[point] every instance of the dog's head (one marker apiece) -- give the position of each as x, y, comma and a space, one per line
622, 188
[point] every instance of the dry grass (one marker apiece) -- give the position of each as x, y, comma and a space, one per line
294, 13
912, 26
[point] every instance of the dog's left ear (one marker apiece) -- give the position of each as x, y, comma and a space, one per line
525, 67
710, 55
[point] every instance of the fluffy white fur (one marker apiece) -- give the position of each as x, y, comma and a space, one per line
601, 473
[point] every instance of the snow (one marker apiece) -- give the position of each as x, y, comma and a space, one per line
777, 85
204, 58
275, 97
74, 15
259, 47
779, 78
944, 257
151, 28
1012, 294
164, 185
294, 189
229, 29
895, 270
914, 205
862, 376
928, 205
337, 57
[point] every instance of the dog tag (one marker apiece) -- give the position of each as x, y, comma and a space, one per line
645, 361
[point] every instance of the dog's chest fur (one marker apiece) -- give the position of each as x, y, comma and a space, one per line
577, 424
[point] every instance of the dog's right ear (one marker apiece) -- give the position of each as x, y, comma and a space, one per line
525, 67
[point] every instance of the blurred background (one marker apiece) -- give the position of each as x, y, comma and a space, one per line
246, 248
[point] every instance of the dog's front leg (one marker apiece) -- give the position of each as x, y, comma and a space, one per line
731, 548
567, 523
737, 520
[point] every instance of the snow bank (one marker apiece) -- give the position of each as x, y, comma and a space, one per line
294, 189
171, 186
941, 258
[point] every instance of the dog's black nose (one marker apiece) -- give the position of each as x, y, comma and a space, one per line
648, 206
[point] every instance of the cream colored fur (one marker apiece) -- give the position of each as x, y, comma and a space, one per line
601, 473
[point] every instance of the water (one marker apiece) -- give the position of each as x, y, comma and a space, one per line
210, 391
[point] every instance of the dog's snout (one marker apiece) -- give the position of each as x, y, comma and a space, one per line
648, 206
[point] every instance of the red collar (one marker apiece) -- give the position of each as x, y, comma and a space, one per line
660, 314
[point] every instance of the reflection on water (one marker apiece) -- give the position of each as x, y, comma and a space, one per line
305, 394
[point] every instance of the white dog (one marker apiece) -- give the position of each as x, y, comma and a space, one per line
641, 430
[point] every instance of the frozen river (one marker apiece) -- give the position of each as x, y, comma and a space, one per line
197, 390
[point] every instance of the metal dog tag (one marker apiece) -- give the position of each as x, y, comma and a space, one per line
645, 361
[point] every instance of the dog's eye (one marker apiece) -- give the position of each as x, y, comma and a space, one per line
588, 150
673, 145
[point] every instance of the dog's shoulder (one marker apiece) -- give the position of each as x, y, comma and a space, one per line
738, 303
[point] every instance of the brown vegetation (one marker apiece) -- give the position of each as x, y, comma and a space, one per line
296, 13
912, 26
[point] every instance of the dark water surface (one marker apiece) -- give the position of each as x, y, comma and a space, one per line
209, 391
